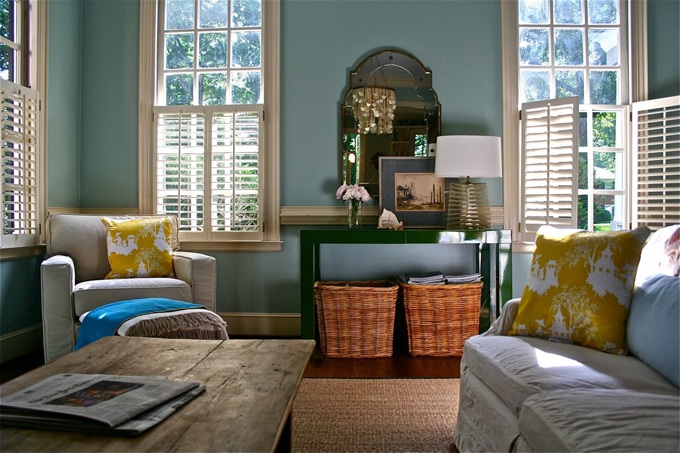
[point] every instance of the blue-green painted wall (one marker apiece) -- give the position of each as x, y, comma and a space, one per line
92, 131
663, 36
64, 112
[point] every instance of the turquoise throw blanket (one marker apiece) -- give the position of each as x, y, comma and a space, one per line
105, 320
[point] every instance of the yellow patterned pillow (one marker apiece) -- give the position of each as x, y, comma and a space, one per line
139, 247
579, 287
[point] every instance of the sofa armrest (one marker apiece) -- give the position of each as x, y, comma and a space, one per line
199, 271
57, 279
503, 323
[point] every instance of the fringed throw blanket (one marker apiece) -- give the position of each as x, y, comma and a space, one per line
151, 317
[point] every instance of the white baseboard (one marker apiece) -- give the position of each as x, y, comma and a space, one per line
263, 324
20, 342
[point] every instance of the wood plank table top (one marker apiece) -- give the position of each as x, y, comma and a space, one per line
250, 387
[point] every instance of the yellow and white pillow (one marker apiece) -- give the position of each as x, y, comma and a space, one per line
579, 287
139, 247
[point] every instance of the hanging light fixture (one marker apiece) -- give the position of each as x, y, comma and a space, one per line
373, 109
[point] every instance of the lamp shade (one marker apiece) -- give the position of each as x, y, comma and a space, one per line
476, 156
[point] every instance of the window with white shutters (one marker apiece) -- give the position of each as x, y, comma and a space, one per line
212, 160
20, 166
208, 170
550, 165
656, 151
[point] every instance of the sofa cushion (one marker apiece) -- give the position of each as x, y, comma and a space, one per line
95, 293
660, 255
518, 367
139, 247
601, 420
579, 287
653, 325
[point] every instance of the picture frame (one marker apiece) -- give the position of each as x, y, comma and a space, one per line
409, 188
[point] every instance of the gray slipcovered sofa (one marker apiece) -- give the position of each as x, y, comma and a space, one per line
521, 393
73, 278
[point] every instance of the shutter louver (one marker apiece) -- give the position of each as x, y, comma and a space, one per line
550, 165
208, 170
20, 170
180, 168
235, 171
656, 142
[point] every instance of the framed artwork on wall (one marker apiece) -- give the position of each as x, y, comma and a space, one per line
409, 188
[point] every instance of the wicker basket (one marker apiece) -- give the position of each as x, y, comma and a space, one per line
356, 318
439, 318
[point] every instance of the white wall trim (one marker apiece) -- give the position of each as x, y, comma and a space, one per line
20, 342
262, 324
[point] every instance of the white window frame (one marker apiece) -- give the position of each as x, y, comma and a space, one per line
31, 81
270, 239
637, 57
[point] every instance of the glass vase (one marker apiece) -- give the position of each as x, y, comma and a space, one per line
353, 211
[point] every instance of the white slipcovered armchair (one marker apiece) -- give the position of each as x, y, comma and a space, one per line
73, 278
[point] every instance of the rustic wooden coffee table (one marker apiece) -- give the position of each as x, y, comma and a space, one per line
250, 387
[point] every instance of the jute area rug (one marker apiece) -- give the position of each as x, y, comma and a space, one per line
375, 415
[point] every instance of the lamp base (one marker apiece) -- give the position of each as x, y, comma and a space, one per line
468, 207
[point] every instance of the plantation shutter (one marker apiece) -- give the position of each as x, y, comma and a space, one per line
208, 170
550, 165
656, 160
20, 171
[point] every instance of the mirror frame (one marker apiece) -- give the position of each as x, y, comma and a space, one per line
416, 125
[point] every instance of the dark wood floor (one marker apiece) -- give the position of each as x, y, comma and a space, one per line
400, 365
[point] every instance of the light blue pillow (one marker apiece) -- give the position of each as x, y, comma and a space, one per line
653, 330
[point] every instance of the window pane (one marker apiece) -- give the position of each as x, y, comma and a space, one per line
583, 209
603, 87
607, 129
212, 50
535, 85
569, 83
6, 22
582, 170
582, 129
603, 12
608, 170
179, 89
533, 12
7, 63
534, 46
246, 13
213, 13
568, 47
568, 11
245, 87
246, 49
602, 215
603, 47
179, 51
212, 89
179, 14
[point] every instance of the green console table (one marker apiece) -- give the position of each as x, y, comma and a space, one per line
494, 262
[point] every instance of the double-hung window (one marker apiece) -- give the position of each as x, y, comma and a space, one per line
21, 70
566, 77
213, 157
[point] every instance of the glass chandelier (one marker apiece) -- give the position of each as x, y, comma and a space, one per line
373, 109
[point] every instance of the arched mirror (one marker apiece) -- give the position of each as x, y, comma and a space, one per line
389, 109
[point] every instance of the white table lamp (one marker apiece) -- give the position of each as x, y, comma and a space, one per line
469, 156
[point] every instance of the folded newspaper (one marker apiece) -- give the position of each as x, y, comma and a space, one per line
97, 403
